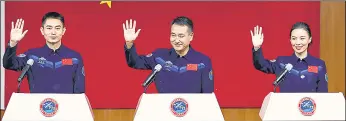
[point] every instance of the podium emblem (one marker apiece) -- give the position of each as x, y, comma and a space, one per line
179, 107
49, 107
307, 106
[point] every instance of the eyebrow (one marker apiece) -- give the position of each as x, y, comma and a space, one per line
52, 26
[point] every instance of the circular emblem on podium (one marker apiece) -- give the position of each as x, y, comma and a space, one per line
307, 106
49, 107
179, 107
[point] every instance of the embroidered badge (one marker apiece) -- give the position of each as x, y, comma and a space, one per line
313, 69
83, 71
21, 55
41, 61
192, 67
326, 77
273, 60
211, 75
67, 61
149, 55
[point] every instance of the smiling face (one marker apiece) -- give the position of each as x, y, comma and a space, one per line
300, 40
181, 37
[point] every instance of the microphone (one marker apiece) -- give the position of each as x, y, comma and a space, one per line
157, 68
288, 68
29, 63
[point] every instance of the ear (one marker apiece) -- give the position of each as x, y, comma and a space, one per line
63, 31
310, 40
191, 36
41, 29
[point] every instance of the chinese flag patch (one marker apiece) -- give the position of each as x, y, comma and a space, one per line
192, 67
313, 69
67, 61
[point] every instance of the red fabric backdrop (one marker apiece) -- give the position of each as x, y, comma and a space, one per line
222, 31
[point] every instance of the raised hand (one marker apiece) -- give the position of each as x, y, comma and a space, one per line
17, 33
130, 34
257, 37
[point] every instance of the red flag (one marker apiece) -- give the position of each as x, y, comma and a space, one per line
313, 69
192, 67
67, 61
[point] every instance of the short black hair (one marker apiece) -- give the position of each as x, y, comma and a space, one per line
54, 15
301, 25
182, 20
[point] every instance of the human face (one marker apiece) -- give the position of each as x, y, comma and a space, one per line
53, 30
300, 40
181, 37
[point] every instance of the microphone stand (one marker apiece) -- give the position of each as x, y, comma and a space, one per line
276, 85
18, 86
146, 87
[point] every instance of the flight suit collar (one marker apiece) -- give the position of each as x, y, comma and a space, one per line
50, 51
307, 59
188, 56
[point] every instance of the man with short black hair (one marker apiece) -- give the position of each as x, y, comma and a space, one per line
56, 68
184, 70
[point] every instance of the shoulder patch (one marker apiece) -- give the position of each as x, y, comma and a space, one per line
326, 77
149, 55
211, 75
273, 60
83, 71
21, 55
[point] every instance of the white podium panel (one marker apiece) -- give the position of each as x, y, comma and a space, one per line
303, 106
178, 107
48, 107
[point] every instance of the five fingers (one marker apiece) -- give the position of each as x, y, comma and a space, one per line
131, 25
257, 31
19, 24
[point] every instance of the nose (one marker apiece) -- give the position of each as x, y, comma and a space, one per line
53, 32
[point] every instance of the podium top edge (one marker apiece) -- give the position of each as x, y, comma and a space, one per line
50, 93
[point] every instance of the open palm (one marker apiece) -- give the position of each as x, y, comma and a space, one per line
257, 37
17, 33
130, 34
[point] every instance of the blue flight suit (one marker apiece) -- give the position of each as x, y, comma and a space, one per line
191, 73
307, 75
60, 71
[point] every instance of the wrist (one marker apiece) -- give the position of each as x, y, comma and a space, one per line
12, 43
256, 47
129, 45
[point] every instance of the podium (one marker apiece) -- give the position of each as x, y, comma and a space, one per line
178, 107
303, 106
48, 107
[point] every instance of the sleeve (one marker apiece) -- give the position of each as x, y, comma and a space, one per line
322, 82
79, 78
13, 62
139, 61
262, 64
208, 78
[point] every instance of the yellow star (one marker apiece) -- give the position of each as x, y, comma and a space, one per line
109, 3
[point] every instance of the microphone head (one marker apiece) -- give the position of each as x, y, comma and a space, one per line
158, 67
30, 62
288, 66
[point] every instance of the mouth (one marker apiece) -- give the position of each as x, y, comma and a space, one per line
298, 47
178, 45
53, 37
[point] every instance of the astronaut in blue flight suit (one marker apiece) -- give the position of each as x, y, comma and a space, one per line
56, 68
309, 74
184, 70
